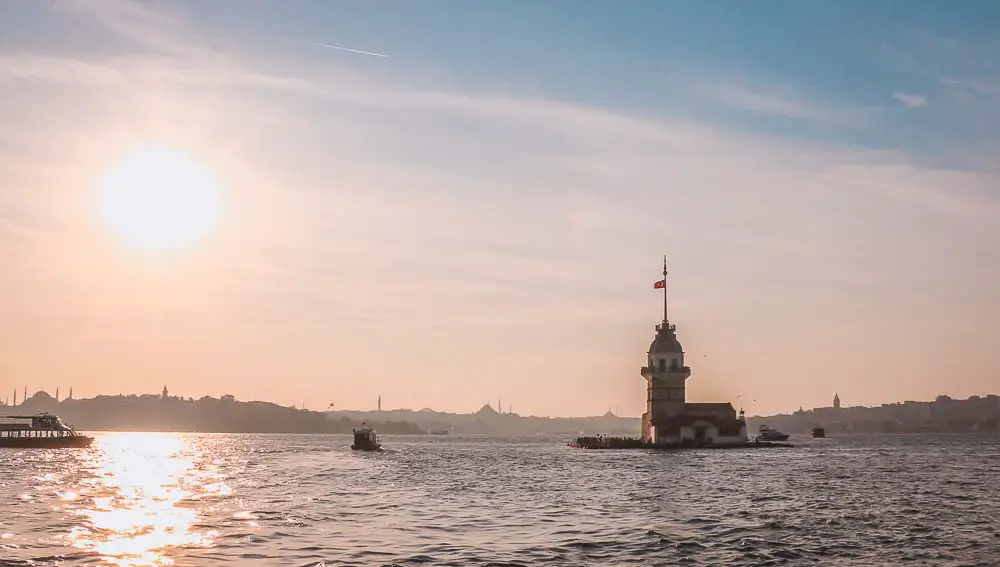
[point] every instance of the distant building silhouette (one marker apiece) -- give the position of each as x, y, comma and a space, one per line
152, 412
836, 401
166, 394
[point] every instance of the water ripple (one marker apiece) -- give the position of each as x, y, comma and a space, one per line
164, 499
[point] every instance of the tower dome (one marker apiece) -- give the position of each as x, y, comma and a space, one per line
665, 341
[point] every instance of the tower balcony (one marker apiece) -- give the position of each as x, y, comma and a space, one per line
650, 370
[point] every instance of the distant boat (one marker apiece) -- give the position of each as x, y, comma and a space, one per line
439, 432
365, 439
45, 431
765, 433
818, 433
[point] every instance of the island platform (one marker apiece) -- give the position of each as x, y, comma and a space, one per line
602, 442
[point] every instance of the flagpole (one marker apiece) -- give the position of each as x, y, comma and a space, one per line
665, 320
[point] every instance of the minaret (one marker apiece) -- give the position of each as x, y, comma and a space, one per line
70, 393
836, 401
57, 393
380, 403
665, 375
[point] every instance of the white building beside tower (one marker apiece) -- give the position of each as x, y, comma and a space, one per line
669, 418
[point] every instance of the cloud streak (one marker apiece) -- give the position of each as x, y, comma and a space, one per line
347, 49
775, 101
910, 100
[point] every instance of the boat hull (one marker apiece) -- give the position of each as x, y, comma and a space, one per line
80, 441
775, 437
366, 447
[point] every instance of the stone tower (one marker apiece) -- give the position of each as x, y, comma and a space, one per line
836, 401
665, 374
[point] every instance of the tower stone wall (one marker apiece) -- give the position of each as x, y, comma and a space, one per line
666, 377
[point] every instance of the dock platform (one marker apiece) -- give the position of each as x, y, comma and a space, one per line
602, 442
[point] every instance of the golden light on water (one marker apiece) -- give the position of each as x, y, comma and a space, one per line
160, 199
140, 501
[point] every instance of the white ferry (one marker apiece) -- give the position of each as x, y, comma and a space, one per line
42, 431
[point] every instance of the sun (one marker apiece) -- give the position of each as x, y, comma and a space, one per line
160, 199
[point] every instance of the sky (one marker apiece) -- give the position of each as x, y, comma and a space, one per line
447, 203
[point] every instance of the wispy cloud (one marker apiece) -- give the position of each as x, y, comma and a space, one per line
966, 67
778, 101
127, 71
910, 100
583, 159
154, 26
985, 86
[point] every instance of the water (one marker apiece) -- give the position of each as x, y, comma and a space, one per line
165, 499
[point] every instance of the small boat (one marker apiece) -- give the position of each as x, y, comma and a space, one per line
439, 432
818, 433
365, 439
765, 433
45, 431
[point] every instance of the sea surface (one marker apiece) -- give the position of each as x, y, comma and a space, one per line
198, 499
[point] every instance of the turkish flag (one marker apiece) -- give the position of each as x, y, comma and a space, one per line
660, 284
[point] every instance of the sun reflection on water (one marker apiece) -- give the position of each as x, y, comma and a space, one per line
136, 505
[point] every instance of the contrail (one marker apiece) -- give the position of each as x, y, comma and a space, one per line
329, 46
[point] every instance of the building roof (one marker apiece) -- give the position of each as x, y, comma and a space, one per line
714, 409
665, 341
487, 409
709, 406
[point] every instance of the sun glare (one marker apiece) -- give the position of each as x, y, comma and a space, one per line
160, 199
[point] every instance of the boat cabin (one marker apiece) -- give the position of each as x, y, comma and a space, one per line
43, 425
365, 439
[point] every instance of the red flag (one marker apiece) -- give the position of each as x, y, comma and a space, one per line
660, 284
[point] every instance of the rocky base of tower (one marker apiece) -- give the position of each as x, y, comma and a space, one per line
602, 442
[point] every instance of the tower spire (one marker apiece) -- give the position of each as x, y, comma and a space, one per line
665, 320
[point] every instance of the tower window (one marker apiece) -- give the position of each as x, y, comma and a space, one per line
662, 364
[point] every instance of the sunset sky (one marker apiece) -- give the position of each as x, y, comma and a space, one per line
474, 203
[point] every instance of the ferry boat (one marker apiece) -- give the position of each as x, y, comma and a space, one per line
765, 433
365, 439
44, 431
